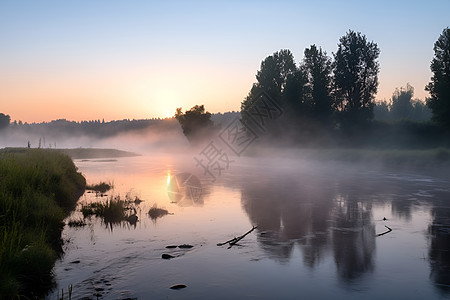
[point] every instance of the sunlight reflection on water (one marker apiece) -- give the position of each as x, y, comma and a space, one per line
316, 235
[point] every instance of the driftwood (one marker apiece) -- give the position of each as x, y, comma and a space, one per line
383, 233
234, 240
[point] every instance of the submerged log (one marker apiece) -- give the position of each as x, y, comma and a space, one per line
383, 233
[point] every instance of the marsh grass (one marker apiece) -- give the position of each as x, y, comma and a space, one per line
38, 188
76, 223
112, 211
155, 212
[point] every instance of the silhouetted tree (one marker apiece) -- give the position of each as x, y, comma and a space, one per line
356, 70
402, 105
421, 112
317, 68
196, 123
277, 75
381, 110
275, 71
439, 87
294, 100
272, 77
4, 120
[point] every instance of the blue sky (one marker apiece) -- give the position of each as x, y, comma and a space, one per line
139, 59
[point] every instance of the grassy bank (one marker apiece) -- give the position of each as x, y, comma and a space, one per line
38, 188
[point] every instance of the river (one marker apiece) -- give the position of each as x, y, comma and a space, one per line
317, 236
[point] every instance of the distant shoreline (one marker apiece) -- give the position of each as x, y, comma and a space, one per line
80, 153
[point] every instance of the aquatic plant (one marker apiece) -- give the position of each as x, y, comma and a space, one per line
156, 212
76, 223
114, 210
69, 293
101, 187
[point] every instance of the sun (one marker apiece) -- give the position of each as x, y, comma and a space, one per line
168, 101
169, 114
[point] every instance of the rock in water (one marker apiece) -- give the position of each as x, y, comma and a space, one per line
185, 246
178, 286
167, 256
171, 246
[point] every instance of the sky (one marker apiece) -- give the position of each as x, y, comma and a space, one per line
113, 60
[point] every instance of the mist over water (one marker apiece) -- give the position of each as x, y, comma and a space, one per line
161, 137
316, 237
322, 217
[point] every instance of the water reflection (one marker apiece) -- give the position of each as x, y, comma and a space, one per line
310, 211
325, 214
439, 251
317, 219
353, 237
185, 189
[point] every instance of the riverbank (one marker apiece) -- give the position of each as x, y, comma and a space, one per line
38, 189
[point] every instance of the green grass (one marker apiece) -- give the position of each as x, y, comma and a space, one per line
38, 188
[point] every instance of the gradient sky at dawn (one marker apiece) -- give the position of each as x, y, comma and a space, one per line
84, 60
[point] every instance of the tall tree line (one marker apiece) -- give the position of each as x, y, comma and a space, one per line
439, 87
322, 92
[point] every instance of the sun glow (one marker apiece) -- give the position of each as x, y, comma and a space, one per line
167, 102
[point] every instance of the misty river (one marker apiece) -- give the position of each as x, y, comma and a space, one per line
316, 237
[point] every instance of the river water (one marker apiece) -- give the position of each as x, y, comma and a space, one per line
316, 237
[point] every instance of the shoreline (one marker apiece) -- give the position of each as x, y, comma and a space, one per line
39, 188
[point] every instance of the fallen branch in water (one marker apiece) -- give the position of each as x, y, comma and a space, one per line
389, 230
233, 241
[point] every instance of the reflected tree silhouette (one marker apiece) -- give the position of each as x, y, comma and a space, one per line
264, 208
353, 237
307, 210
439, 245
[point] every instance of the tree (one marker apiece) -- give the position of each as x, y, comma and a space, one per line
439, 87
294, 100
402, 106
356, 70
275, 77
421, 112
381, 111
4, 121
402, 103
196, 123
317, 67
274, 72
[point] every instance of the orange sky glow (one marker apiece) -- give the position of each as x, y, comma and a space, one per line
116, 61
